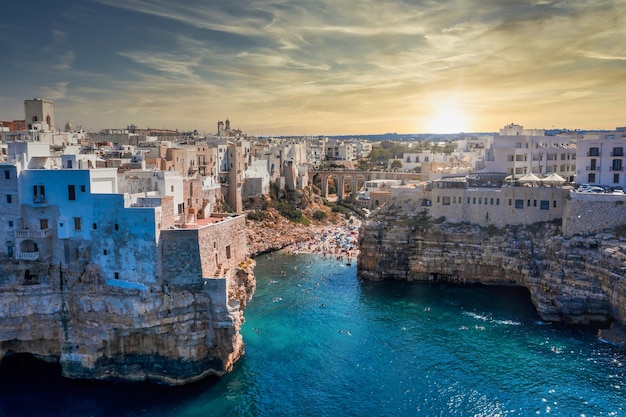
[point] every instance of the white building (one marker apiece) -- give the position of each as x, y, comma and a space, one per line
341, 150
600, 158
518, 151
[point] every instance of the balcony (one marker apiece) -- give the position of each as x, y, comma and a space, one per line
27, 256
592, 168
40, 201
33, 234
617, 168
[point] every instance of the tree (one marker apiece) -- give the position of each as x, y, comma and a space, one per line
396, 164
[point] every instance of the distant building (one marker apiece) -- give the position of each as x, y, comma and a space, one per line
39, 110
600, 158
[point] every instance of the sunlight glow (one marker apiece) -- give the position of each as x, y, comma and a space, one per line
447, 117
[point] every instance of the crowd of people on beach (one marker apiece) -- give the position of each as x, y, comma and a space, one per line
332, 242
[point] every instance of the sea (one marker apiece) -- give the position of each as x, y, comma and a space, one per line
320, 342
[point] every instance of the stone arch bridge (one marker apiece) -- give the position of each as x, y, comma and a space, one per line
355, 179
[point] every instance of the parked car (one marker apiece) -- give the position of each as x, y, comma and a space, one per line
596, 190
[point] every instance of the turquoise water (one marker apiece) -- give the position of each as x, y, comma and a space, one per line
321, 343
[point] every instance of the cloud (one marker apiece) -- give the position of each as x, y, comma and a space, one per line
353, 64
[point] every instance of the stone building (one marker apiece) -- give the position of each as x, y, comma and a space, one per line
39, 110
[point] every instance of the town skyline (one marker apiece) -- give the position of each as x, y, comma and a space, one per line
318, 68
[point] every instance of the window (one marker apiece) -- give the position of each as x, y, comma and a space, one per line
594, 152
69, 164
616, 178
116, 275
510, 201
618, 152
10, 223
544, 205
9, 198
71, 192
77, 223
228, 252
94, 226
554, 204
117, 226
104, 252
474, 200
591, 178
43, 224
446, 201
497, 201
39, 194
83, 188
519, 204
616, 165
480, 200
7, 175
491, 201
172, 188
534, 203
527, 203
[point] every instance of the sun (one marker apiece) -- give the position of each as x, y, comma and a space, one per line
448, 118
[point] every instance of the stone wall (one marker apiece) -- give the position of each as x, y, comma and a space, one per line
494, 206
587, 213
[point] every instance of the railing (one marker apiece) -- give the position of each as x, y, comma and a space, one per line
27, 256
618, 153
593, 154
617, 168
592, 168
40, 200
33, 234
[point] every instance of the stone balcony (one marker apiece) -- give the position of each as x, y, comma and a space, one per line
33, 234
27, 256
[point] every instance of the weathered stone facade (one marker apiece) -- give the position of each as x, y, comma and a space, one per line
175, 326
587, 213
575, 280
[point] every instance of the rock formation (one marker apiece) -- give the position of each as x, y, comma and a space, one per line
171, 333
579, 280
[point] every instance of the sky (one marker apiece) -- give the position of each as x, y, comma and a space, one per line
318, 67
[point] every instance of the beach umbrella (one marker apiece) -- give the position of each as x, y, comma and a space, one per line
553, 178
530, 177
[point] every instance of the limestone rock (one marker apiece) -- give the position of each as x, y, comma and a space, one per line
577, 280
170, 333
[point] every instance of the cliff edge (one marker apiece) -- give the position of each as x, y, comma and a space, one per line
579, 280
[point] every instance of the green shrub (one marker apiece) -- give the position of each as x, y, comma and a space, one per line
256, 215
319, 215
287, 210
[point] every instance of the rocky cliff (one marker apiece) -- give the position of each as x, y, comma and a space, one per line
577, 280
101, 330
